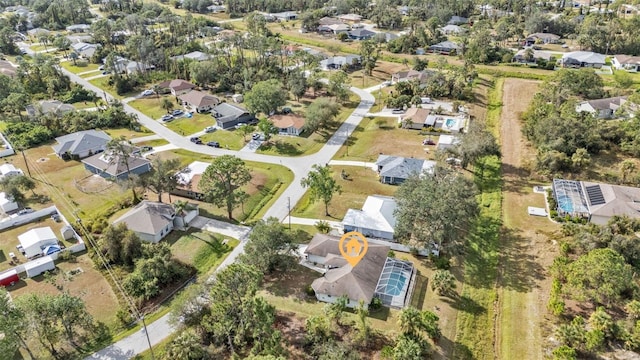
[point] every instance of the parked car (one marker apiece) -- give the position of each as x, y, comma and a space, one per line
286, 110
177, 112
386, 83
195, 140
239, 125
397, 111
167, 118
101, 67
214, 144
21, 249
105, 73
255, 136
146, 148
426, 100
253, 122
147, 92
26, 210
210, 129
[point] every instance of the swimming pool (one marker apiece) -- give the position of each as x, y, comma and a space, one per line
450, 123
393, 283
565, 204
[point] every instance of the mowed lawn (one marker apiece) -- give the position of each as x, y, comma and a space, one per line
362, 182
187, 126
103, 83
375, 136
307, 143
382, 72
80, 69
230, 139
202, 249
267, 183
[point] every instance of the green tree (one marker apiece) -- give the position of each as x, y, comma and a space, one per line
435, 207
338, 86
122, 151
564, 352
580, 159
297, 84
333, 311
443, 282
627, 167
601, 276
265, 97
369, 53
120, 245
476, 143
622, 79
62, 43
408, 349
633, 309
323, 226
270, 246
14, 326
163, 177
267, 128
317, 329
364, 330
167, 104
322, 185
222, 182
320, 114
203, 73
246, 130
185, 346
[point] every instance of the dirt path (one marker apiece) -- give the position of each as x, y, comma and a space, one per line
525, 252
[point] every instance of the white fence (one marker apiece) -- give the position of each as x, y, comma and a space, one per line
5, 147
27, 218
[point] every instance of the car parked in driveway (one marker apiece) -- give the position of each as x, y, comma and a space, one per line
177, 112
25, 211
195, 140
147, 93
167, 118
255, 136
214, 144
210, 129
397, 111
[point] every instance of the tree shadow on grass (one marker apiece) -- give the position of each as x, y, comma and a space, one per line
481, 252
465, 304
519, 270
281, 148
214, 243
380, 314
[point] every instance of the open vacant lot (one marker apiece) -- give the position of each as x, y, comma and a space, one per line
202, 249
80, 69
375, 136
362, 182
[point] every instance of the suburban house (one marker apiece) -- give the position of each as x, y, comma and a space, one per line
216, 8
457, 20
626, 62
541, 38
79, 28
7, 69
394, 170
188, 180
376, 219
152, 220
8, 170
350, 18
84, 50
194, 55
445, 48
578, 59
126, 66
415, 118
334, 28
81, 144
111, 166
198, 101
595, 201
409, 75
602, 108
36, 240
452, 29
288, 124
375, 276
229, 115
5, 147
447, 142
177, 87
44, 107
38, 32
337, 62
285, 16
531, 56
628, 11
7, 205
360, 34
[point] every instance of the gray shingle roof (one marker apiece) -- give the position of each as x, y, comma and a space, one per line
81, 141
226, 112
113, 165
148, 217
400, 167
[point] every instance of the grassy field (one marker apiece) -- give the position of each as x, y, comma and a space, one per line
151, 106
362, 182
267, 183
202, 249
306, 143
128, 133
230, 139
187, 126
103, 83
375, 136
153, 143
80, 69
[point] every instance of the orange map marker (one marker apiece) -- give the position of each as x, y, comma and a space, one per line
353, 246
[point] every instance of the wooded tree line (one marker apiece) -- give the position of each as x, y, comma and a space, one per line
566, 139
597, 269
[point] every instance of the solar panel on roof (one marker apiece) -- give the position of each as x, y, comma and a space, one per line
595, 195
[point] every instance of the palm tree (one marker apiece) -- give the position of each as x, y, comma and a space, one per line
180, 206
627, 167
186, 346
410, 321
167, 104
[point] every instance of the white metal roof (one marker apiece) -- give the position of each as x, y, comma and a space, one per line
195, 168
34, 236
376, 214
37, 262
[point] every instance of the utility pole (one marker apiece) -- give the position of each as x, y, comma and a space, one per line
289, 208
144, 327
25, 162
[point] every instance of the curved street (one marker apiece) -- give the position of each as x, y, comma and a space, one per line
300, 166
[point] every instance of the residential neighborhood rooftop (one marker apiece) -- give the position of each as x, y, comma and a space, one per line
148, 217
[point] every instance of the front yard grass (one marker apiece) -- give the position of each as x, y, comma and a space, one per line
79, 69
103, 83
230, 139
152, 106
375, 136
382, 72
362, 182
202, 249
187, 126
128, 133
267, 183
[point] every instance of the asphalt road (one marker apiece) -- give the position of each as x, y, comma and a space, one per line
300, 166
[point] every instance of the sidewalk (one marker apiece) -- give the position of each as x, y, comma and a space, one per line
370, 165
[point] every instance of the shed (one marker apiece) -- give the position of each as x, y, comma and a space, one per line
7, 205
38, 266
9, 278
67, 232
35, 240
